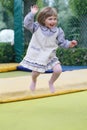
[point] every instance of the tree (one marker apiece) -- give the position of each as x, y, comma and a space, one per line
2, 23
64, 16
46, 2
8, 4
79, 9
8, 12
40, 3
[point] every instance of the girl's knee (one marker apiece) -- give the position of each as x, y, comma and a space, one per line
35, 73
57, 69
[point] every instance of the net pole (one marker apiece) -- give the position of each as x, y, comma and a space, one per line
18, 30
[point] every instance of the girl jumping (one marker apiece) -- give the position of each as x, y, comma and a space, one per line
46, 38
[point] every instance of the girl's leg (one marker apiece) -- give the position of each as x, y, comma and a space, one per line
34, 79
56, 72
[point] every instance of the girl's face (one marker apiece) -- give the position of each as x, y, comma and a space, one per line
51, 22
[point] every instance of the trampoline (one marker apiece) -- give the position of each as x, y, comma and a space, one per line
65, 112
64, 68
16, 88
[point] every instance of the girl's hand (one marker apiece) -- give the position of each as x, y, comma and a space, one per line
73, 43
34, 9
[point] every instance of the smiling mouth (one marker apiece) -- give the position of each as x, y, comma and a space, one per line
52, 25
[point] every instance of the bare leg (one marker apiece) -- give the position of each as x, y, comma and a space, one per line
34, 79
56, 72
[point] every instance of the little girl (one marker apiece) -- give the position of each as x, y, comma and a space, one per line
46, 38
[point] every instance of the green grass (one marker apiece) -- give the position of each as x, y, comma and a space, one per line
14, 74
65, 112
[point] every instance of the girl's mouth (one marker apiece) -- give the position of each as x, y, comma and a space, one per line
51, 25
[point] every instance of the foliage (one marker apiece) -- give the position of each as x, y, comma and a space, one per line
74, 56
72, 17
6, 53
27, 4
2, 23
7, 13
79, 7
8, 4
60, 5
72, 28
45, 2
39, 3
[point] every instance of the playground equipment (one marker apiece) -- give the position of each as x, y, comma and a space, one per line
18, 27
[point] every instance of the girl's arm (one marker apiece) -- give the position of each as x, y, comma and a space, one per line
29, 19
62, 42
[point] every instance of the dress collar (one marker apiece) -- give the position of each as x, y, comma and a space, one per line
54, 29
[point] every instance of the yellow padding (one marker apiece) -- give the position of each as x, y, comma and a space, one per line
8, 67
34, 96
17, 88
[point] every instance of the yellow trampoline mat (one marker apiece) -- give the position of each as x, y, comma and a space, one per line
4, 67
17, 88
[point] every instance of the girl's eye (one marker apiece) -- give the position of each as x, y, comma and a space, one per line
50, 19
55, 18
